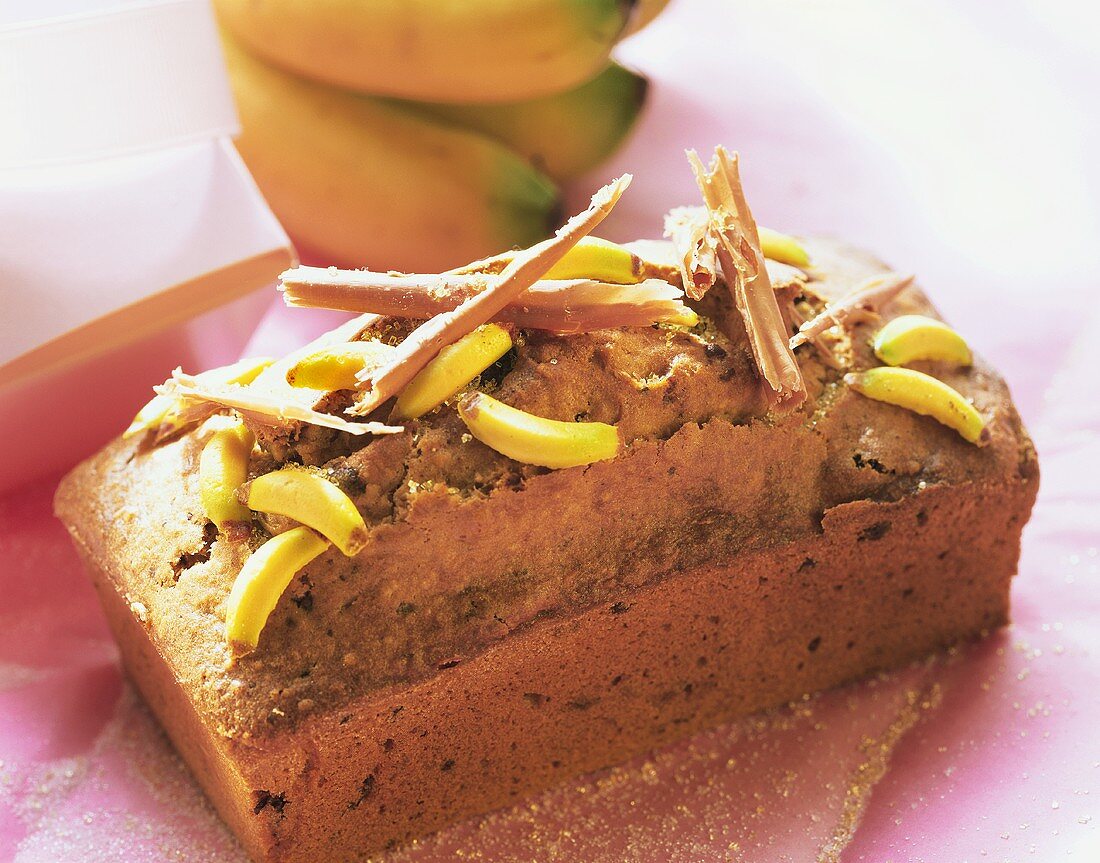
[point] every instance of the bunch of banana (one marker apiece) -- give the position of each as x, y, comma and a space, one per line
417, 134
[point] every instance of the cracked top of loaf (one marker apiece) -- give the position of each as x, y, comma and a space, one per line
467, 546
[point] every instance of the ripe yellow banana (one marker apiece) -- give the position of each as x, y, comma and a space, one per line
782, 248
454, 367
360, 181
923, 394
223, 468
565, 134
262, 580
160, 410
910, 338
308, 497
335, 367
434, 50
537, 440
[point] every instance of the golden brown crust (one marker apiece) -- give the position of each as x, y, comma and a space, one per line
663, 390
881, 584
466, 594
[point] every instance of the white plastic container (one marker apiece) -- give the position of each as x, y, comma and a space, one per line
132, 238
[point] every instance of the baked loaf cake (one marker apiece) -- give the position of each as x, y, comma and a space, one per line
504, 625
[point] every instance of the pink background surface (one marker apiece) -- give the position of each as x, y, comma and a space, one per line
957, 144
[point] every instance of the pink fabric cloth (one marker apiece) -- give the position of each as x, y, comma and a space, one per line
925, 131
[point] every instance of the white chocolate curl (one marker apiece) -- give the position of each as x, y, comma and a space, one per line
423, 343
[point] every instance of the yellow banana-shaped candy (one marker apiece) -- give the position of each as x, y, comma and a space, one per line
909, 338
160, 410
782, 248
308, 497
923, 394
223, 468
591, 258
601, 260
262, 580
454, 367
537, 440
335, 367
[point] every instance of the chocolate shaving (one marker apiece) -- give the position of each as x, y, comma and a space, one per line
793, 319
262, 407
582, 306
576, 305
271, 382
693, 253
783, 275
661, 258
737, 246
185, 415
424, 343
866, 298
696, 249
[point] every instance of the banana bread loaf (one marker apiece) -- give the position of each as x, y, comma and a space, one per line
507, 626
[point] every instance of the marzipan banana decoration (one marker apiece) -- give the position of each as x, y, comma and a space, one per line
537, 440
306, 496
262, 580
334, 367
910, 338
454, 367
223, 468
923, 394
782, 248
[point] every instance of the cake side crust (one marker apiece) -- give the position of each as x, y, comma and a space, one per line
882, 585
486, 644
454, 577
